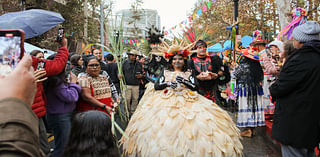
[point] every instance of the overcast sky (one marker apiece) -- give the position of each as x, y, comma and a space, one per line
171, 12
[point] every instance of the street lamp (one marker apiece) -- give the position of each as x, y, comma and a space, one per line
236, 5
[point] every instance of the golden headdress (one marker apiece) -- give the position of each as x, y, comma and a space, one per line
175, 48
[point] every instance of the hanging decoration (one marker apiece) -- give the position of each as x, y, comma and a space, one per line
299, 17
206, 7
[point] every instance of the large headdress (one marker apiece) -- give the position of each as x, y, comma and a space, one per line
251, 54
257, 38
176, 48
155, 36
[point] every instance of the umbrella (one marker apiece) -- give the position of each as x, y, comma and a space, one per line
246, 40
215, 48
33, 22
29, 47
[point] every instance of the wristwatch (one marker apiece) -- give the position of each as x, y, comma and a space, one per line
104, 106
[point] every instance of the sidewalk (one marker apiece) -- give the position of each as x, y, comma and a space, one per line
260, 145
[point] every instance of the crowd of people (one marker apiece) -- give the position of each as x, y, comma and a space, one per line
173, 99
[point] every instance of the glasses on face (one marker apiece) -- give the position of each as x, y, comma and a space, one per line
93, 65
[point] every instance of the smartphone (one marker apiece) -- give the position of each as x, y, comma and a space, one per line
41, 64
60, 34
11, 49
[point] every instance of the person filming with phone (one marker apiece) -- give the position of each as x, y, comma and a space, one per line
51, 68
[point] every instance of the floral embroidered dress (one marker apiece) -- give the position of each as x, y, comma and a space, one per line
102, 89
179, 122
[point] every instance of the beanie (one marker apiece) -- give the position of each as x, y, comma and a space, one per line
277, 43
307, 31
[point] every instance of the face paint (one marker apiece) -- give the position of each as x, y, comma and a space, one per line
158, 58
178, 61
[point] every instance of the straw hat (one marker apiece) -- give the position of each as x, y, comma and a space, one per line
259, 41
251, 54
134, 52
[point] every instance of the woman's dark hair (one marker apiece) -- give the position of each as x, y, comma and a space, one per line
74, 59
91, 136
288, 48
54, 81
110, 57
35, 52
256, 72
87, 59
185, 66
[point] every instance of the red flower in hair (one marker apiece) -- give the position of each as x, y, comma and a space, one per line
184, 53
166, 55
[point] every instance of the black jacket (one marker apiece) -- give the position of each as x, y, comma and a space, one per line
112, 70
130, 70
297, 93
216, 64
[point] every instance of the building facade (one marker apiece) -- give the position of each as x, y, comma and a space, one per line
136, 26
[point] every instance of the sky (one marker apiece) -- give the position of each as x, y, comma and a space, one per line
171, 12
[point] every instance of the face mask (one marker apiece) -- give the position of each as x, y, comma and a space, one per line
158, 58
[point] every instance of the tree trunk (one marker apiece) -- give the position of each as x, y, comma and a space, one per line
284, 8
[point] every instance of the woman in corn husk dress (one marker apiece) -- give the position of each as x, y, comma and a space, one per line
174, 120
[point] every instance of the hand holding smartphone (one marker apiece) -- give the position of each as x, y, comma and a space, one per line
60, 34
11, 49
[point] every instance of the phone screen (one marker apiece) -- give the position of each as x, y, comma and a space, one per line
11, 46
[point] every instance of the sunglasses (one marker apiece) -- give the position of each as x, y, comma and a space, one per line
93, 65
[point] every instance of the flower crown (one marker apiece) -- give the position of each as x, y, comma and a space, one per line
176, 48
184, 53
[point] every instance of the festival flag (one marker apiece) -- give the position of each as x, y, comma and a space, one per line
204, 8
189, 18
194, 16
209, 4
199, 12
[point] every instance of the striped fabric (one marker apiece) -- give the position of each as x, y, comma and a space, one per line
247, 117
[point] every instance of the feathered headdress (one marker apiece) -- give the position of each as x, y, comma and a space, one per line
155, 36
176, 48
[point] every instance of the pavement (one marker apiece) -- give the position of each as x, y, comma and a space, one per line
259, 145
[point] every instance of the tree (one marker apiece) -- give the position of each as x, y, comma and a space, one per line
73, 14
253, 15
136, 11
284, 8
